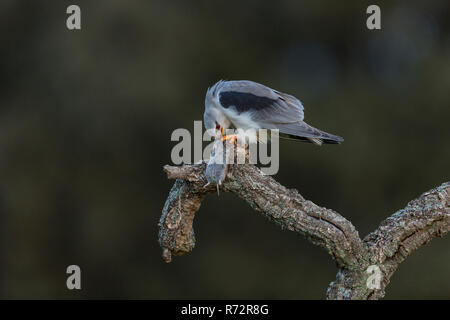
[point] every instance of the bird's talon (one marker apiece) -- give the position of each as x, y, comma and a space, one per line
232, 138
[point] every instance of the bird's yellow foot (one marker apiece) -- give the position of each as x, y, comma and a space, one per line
232, 138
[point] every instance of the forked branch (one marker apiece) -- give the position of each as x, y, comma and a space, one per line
421, 220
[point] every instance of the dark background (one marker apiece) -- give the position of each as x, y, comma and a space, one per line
86, 118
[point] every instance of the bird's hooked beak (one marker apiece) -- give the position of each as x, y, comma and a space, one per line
219, 131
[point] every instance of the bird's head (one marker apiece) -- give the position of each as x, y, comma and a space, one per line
214, 119
211, 126
210, 121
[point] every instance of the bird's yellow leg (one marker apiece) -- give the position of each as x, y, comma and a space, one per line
219, 132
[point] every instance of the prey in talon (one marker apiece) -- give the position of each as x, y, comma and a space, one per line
217, 167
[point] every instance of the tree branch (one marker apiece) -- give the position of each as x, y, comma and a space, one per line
396, 237
408, 229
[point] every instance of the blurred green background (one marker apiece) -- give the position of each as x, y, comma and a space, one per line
86, 118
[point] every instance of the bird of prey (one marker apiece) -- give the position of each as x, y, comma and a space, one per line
245, 104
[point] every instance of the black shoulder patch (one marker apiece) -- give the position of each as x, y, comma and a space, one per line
244, 101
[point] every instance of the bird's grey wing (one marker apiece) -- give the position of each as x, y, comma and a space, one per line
261, 103
272, 109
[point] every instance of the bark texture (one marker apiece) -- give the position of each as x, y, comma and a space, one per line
421, 220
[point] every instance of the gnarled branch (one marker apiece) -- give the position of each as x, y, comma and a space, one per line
423, 219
